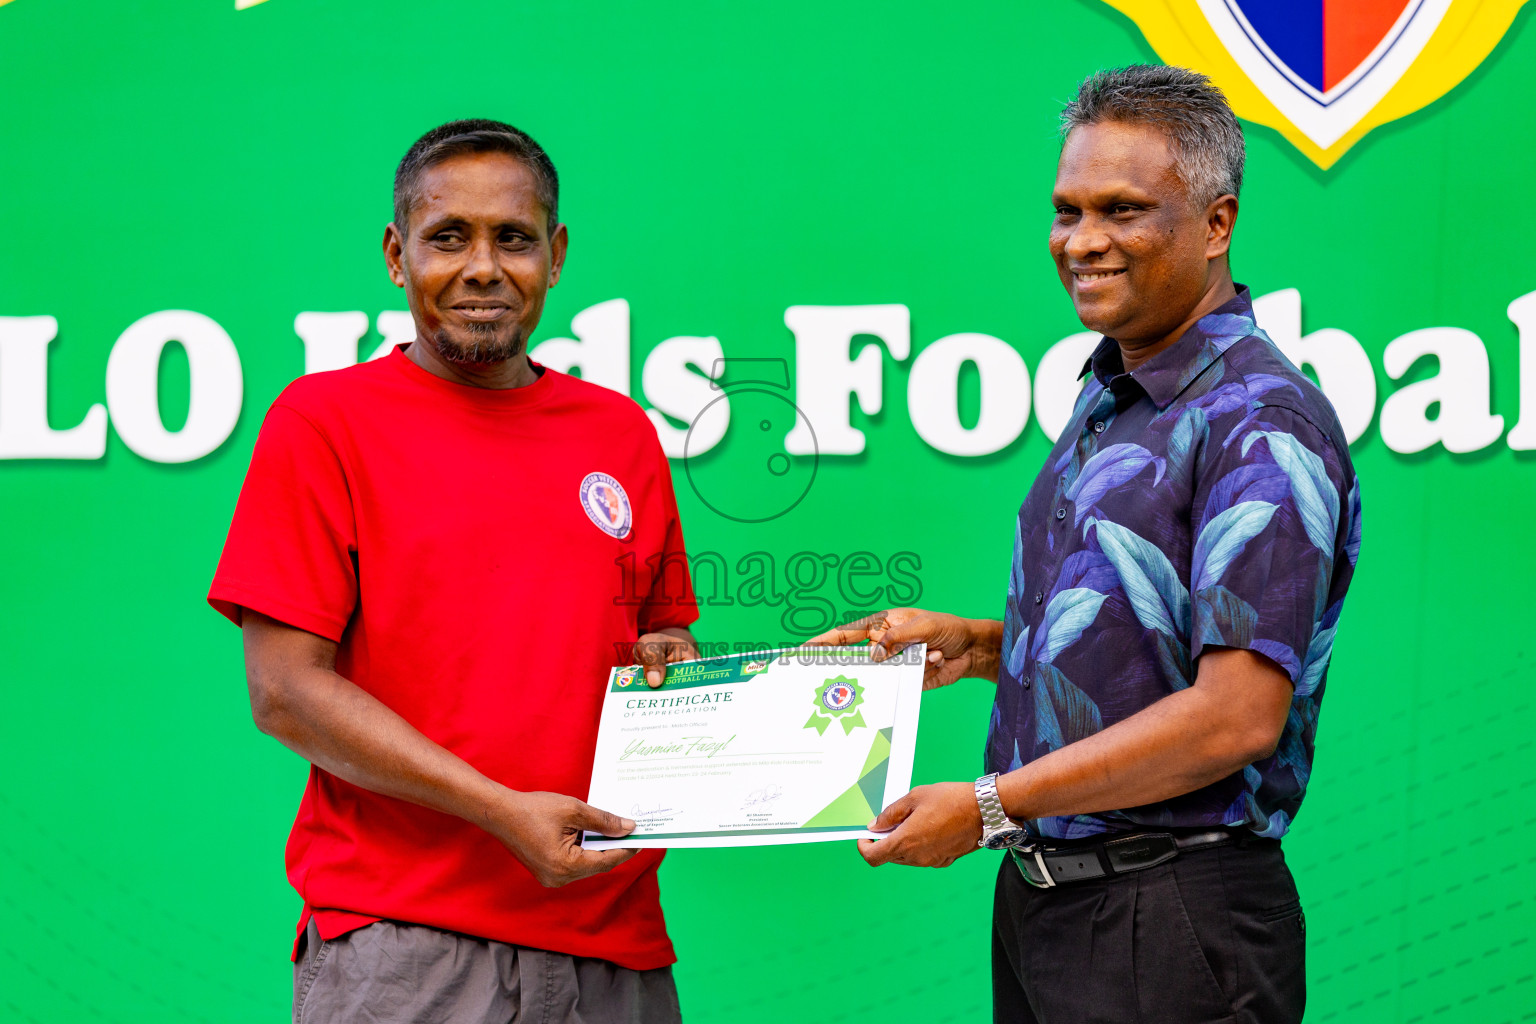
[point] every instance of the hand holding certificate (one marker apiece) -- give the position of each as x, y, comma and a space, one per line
789, 746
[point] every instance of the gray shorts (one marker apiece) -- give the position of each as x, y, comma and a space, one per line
389, 972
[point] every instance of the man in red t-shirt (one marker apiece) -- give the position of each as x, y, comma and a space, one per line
431, 561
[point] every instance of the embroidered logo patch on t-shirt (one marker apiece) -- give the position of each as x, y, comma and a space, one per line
606, 504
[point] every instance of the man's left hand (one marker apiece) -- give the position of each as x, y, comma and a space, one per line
930, 827
654, 651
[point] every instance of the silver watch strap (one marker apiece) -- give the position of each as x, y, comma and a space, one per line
993, 817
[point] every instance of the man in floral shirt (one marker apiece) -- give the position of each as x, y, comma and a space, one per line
1177, 577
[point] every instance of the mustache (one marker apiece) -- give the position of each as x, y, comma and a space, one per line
509, 299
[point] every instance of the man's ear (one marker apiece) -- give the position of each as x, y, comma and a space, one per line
394, 255
557, 245
1220, 218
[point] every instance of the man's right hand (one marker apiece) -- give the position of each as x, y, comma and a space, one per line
543, 830
956, 647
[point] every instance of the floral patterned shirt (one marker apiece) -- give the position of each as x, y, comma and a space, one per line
1205, 499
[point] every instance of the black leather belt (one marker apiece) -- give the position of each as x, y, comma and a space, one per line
1044, 865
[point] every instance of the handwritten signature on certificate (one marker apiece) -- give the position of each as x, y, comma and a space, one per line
762, 798
642, 815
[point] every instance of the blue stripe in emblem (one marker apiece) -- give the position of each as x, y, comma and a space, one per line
1293, 30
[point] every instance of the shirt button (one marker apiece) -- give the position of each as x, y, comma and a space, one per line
1098, 428
1061, 513
1039, 597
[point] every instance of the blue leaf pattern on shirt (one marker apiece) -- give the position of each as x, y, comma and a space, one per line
1068, 614
1213, 506
1151, 584
1224, 538
1280, 654
1018, 654
1015, 643
1189, 433
1085, 401
1108, 469
1226, 620
1278, 824
1239, 394
1256, 481
1087, 568
1352, 545
1316, 498
1224, 330
1066, 713
1318, 652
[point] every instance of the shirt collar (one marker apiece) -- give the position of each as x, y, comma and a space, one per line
1165, 376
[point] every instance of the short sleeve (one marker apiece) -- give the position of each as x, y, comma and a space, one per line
671, 602
1270, 513
291, 546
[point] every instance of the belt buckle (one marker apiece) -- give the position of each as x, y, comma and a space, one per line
1036, 853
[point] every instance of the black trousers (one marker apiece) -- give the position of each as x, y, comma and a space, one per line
1215, 935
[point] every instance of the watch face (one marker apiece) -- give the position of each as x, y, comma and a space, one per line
1002, 839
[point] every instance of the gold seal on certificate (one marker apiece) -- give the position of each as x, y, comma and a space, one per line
798, 745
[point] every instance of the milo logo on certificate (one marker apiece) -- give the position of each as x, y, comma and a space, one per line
837, 700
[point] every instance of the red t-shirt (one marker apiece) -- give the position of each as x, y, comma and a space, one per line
481, 557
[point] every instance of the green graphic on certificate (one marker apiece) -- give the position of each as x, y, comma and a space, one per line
722, 754
859, 804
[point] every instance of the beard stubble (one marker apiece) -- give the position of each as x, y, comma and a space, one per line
481, 347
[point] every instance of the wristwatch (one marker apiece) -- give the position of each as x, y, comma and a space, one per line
998, 832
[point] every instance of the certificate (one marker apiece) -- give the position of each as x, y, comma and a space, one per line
799, 745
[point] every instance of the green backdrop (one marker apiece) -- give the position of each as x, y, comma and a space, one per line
721, 162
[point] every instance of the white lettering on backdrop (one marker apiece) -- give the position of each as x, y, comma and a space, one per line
673, 390
330, 339
600, 350
133, 386
1056, 381
675, 380
933, 394
825, 378
1523, 313
1464, 423
24, 429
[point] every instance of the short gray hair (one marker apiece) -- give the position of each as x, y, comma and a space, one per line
1206, 139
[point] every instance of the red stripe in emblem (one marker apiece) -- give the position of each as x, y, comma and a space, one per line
1351, 30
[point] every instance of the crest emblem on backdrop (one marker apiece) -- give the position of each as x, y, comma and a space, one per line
1323, 73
